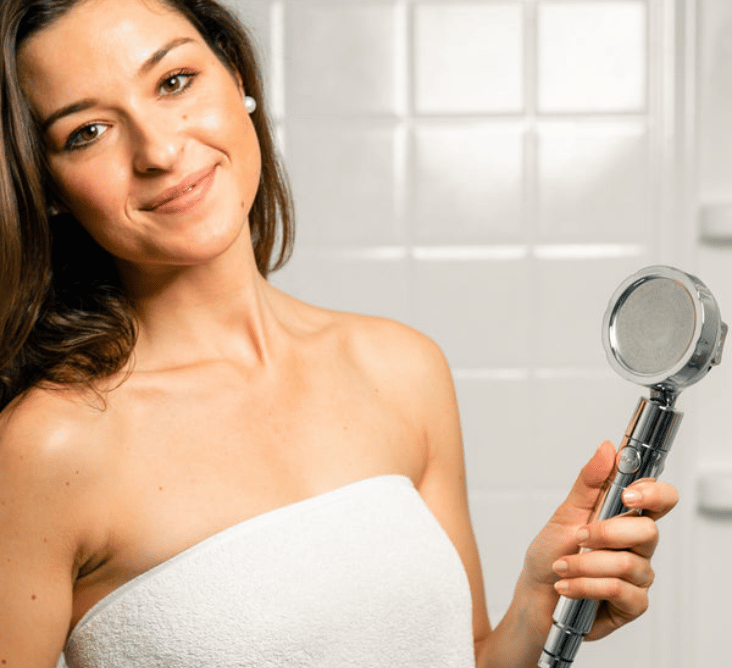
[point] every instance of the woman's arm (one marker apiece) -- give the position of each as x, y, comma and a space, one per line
36, 543
617, 571
443, 486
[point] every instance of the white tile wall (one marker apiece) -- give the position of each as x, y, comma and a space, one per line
592, 56
712, 585
346, 183
715, 100
488, 171
509, 395
340, 58
512, 530
712, 546
572, 294
594, 182
372, 282
467, 182
477, 310
468, 57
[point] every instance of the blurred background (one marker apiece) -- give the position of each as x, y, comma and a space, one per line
488, 172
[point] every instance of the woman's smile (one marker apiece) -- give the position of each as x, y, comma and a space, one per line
185, 196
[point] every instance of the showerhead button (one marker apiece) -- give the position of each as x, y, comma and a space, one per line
629, 460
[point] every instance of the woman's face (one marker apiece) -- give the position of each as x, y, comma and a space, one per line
149, 144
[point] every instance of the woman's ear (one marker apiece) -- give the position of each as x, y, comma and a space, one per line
53, 208
54, 204
240, 85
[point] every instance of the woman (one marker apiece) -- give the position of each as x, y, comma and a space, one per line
195, 467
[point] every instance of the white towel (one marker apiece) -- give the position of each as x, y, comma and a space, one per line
359, 576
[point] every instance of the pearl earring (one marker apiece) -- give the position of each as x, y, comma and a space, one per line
250, 104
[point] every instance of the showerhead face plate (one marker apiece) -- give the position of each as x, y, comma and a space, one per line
654, 326
662, 329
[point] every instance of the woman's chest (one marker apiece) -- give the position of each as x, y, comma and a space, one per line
188, 467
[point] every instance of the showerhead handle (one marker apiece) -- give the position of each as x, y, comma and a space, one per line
662, 329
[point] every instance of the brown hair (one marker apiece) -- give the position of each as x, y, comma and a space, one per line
64, 317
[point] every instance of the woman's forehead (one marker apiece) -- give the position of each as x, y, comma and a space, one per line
98, 38
102, 27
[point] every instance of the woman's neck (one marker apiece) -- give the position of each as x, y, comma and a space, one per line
187, 316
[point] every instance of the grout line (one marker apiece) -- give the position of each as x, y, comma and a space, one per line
489, 252
540, 373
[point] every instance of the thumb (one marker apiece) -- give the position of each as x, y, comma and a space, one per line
583, 496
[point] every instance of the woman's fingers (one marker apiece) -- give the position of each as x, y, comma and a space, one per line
631, 531
620, 579
625, 565
628, 600
654, 498
582, 498
622, 602
624, 532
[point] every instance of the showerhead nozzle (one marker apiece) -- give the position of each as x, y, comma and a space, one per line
663, 329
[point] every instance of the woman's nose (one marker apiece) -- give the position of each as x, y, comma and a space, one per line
157, 145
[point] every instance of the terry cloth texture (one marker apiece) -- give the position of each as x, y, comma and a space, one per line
359, 577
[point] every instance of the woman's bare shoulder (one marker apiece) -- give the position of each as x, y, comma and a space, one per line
376, 342
392, 355
388, 344
45, 433
366, 332
406, 365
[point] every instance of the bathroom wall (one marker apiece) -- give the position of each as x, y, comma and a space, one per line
488, 171
712, 214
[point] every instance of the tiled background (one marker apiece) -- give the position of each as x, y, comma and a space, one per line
488, 171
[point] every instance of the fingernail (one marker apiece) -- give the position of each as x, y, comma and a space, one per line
582, 535
631, 497
560, 566
562, 586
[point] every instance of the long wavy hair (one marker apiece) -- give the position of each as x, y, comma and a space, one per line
64, 316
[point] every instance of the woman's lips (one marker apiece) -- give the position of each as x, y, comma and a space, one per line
183, 196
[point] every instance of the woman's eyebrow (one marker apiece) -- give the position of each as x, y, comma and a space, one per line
81, 105
67, 111
161, 53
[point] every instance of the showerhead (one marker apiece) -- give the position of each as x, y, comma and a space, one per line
663, 329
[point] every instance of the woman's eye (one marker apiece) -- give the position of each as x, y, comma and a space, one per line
176, 83
85, 136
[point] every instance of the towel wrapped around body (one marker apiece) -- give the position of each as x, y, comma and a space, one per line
361, 576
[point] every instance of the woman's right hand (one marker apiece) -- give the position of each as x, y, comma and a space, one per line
617, 568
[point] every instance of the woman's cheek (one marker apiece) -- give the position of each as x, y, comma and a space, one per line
227, 127
95, 194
